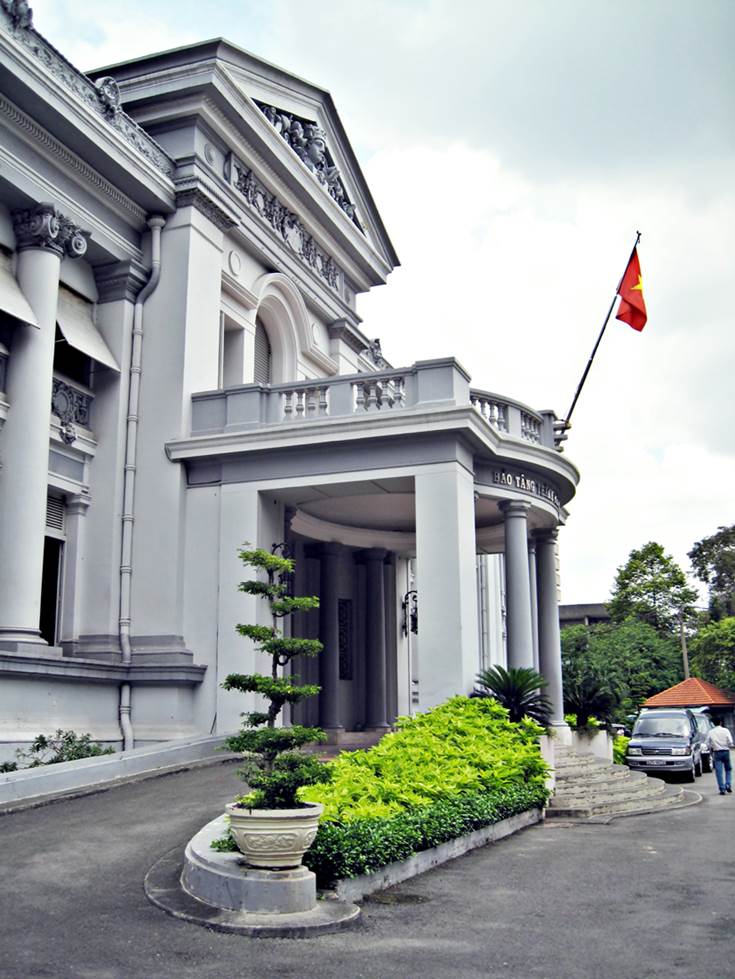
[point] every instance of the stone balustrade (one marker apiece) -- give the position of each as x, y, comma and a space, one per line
427, 384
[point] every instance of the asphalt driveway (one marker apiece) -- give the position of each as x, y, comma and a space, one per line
640, 898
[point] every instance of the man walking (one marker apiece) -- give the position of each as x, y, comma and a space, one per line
720, 742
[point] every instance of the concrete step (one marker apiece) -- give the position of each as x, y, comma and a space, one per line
589, 788
611, 800
592, 776
612, 787
671, 796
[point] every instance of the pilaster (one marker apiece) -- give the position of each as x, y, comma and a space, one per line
329, 712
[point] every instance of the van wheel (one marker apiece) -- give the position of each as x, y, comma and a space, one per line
707, 764
691, 775
698, 768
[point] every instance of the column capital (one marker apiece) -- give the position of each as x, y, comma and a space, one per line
46, 228
514, 508
545, 535
330, 548
376, 554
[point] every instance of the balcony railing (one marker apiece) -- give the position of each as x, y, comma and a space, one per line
425, 384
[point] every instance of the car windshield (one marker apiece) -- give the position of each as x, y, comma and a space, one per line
661, 727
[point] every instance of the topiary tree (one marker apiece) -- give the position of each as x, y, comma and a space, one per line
274, 768
518, 689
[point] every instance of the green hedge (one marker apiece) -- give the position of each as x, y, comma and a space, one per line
456, 768
365, 845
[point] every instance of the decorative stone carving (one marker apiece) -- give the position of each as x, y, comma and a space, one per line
18, 15
283, 221
108, 92
21, 15
71, 406
309, 143
43, 226
374, 352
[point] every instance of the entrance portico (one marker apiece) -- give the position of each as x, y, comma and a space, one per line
389, 507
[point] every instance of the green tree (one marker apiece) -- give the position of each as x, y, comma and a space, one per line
274, 767
519, 690
713, 653
631, 659
713, 560
651, 587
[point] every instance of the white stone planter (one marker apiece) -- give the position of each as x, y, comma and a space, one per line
274, 838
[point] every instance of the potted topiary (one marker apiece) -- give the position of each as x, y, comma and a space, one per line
270, 826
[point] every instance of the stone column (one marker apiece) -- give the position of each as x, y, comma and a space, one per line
548, 612
375, 672
518, 584
329, 712
43, 236
446, 580
534, 598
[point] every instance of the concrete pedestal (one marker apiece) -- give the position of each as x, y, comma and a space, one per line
220, 891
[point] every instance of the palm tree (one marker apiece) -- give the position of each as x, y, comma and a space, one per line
590, 696
518, 689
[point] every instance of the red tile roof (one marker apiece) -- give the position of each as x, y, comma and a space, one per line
691, 693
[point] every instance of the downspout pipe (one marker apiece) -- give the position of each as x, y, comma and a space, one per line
155, 223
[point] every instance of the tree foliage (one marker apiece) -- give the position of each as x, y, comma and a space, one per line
651, 587
713, 560
274, 767
713, 653
631, 660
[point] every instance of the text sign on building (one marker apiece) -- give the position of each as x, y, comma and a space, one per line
525, 483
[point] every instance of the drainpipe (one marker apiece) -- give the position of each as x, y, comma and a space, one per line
155, 223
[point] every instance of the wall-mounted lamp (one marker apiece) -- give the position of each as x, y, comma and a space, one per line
410, 606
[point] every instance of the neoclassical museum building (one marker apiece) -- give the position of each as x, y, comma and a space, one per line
183, 370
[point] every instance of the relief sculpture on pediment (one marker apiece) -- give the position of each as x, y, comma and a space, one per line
309, 143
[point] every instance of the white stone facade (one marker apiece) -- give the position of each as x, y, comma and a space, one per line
182, 370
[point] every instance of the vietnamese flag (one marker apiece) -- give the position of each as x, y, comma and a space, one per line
632, 309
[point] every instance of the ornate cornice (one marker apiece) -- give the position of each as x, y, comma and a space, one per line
68, 159
283, 221
103, 98
44, 227
343, 330
195, 197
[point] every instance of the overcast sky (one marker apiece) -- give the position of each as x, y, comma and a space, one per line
513, 148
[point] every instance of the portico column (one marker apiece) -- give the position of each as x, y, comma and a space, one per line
446, 580
548, 617
43, 236
375, 672
534, 598
329, 712
518, 584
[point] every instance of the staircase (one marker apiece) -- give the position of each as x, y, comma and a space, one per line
587, 788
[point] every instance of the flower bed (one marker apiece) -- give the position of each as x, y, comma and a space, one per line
455, 769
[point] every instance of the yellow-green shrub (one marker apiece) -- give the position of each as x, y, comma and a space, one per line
463, 747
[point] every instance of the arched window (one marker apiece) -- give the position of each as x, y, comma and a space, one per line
263, 362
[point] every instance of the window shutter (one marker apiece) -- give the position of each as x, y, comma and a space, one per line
263, 358
55, 514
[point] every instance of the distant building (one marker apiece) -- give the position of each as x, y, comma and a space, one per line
183, 370
583, 614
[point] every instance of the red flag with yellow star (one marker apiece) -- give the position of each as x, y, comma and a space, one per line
632, 309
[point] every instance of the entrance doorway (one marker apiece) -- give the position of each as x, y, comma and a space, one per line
51, 589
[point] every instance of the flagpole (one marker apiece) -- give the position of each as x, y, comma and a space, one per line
597, 344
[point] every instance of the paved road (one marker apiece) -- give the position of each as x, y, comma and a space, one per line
641, 898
